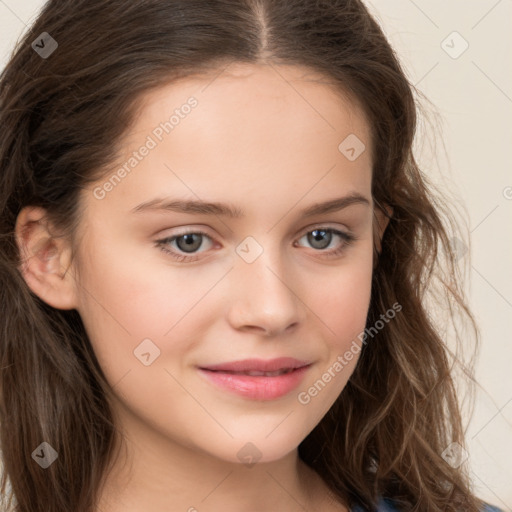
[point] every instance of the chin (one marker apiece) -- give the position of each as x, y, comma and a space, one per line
258, 448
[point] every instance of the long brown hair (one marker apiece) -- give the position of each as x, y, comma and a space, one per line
61, 115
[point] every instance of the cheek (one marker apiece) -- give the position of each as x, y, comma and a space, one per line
341, 303
125, 300
341, 308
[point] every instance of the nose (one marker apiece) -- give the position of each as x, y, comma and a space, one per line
264, 294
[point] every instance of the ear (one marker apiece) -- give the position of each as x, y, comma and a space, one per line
45, 259
381, 221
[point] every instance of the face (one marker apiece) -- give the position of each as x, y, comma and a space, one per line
167, 289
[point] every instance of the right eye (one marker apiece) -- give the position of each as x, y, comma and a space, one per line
191, 240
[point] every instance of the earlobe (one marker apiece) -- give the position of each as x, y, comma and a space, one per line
45, 259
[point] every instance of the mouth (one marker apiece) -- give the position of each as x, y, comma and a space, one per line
255, 373
257, 384
260, 366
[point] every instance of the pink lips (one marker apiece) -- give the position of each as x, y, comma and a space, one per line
267, 380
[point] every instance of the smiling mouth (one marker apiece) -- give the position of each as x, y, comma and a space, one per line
254, 373
257, 384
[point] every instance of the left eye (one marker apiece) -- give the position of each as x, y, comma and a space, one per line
316, 236
190, 242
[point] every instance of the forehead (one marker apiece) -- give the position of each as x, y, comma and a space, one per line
293, 98
256, 135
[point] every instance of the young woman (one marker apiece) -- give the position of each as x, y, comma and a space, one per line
215, 252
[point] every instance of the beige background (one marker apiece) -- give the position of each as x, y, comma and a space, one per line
472, 96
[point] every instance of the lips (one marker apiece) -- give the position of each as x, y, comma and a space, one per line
257, 367
254, 373
257, 379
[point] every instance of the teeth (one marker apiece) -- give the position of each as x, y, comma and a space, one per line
264, 374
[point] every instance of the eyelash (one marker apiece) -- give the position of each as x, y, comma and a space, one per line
162, 244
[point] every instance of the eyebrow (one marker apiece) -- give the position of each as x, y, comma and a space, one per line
232, 211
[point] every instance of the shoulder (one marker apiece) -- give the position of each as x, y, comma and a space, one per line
491, 508
387, 505
384, 505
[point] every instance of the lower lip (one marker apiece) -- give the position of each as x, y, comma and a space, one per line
257, 388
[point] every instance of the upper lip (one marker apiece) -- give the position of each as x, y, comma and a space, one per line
258, 365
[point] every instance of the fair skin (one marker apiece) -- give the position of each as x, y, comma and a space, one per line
266, 142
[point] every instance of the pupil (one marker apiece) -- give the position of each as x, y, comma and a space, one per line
189, 241
318, 234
